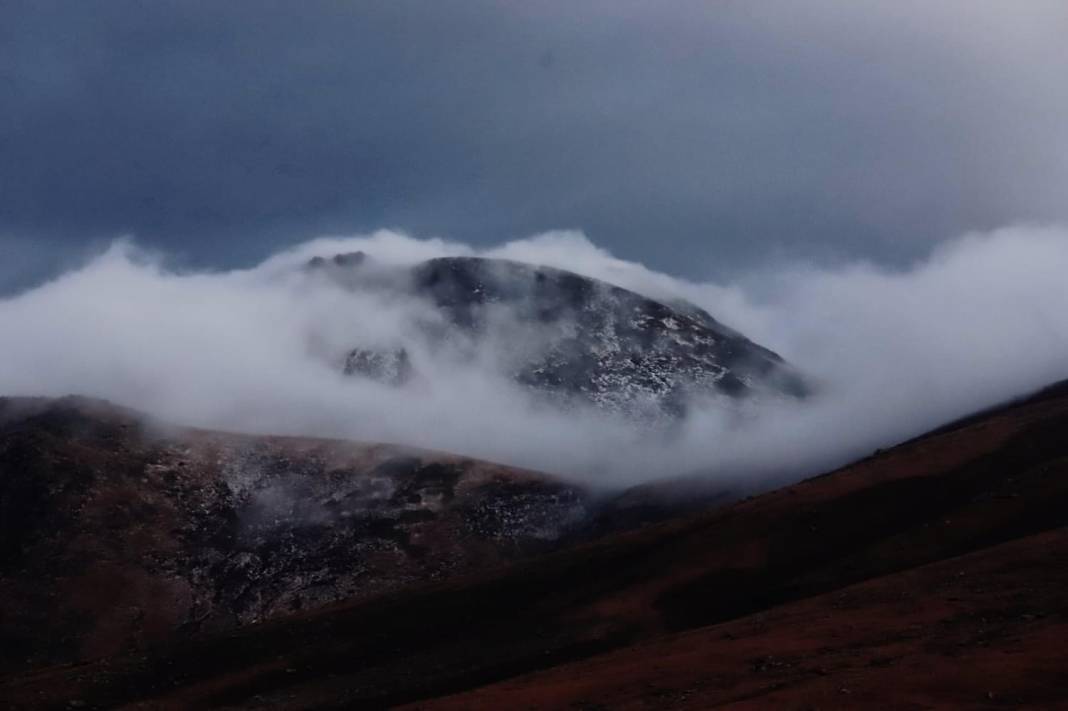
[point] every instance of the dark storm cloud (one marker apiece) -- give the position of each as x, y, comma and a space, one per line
698, 137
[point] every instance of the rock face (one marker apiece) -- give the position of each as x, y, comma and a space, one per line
575, 339
115, 534
391, 367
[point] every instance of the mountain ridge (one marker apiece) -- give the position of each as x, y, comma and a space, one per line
574, 338
941, 515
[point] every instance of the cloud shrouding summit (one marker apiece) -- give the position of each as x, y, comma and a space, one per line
894, 352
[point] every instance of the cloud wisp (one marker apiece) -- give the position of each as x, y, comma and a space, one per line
980, 320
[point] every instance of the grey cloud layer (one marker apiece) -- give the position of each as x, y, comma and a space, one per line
895, 352
696, 137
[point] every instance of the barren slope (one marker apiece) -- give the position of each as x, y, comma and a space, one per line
984, 630
992, 480
117, 532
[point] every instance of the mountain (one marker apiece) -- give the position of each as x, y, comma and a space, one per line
575, 339
118, 532
930, 574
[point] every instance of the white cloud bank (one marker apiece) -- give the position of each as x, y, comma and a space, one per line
896, 353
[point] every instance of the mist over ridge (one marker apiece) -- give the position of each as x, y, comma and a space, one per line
892, 352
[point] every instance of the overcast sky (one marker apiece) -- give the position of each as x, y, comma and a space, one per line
698, 138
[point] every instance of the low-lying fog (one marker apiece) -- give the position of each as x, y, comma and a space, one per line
982, 319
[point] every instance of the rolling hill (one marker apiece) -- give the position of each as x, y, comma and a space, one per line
931, 573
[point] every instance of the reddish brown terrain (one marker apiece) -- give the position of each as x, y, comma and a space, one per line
985, 630
117, 532
934, 574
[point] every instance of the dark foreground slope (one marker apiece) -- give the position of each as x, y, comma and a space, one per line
984, 630
117, 532
939, 563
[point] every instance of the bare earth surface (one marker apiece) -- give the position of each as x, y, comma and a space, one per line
985, 630
932, 575
119, 533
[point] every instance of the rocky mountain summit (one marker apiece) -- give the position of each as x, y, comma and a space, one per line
574, 339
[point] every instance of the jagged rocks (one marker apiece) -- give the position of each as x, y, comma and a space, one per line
390, 367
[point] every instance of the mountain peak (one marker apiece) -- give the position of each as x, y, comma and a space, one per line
571, 338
